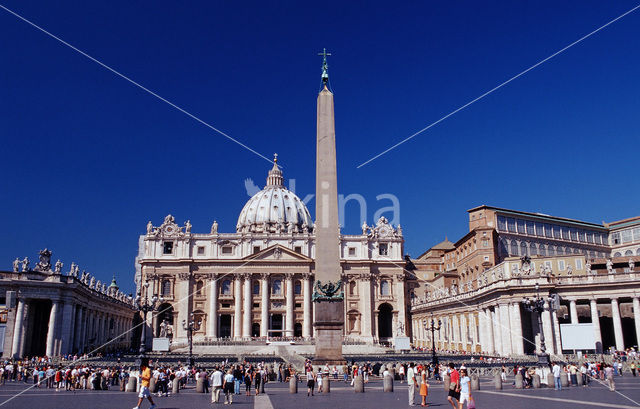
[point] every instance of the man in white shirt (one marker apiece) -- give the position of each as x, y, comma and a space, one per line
216, 384
411, 381
556, 376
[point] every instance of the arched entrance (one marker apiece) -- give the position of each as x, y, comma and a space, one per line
38, 317
385, 321
255, 330
165, 314
297, 330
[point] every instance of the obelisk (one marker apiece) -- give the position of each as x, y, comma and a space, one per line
328, 294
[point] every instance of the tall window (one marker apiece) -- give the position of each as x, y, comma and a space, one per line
523, 249
543, 250
166, 287
514, 248
530, 228
256, 288
539, 229
547, 230
199, 286
383, 249
276, 287
297, 287
534, 249
385, 288
502, 223
352, 288
167, 247
226, 287
520, 224
511, 225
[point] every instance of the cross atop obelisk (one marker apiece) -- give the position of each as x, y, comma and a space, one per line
328, 294
325, 66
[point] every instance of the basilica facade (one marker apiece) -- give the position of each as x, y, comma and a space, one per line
257, 282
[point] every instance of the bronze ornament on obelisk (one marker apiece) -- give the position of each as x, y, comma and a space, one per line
328, 294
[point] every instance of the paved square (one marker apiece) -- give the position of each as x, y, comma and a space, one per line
341, 396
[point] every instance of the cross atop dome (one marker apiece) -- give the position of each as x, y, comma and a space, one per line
275, 174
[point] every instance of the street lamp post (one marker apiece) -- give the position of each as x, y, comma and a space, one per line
432, 327
144, 304
191, 326
537, 306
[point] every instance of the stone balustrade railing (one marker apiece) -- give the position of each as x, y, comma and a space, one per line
529, 281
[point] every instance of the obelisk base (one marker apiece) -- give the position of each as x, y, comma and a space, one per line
328, 333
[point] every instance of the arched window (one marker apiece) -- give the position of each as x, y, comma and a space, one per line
560, 251
514, 248
166, 287
543, 250
276, 287
385, 288
628, 253
297, 287
199, 286
256, 287
534, 249
226, 287
523, 249
638, 252
352, 288
617, 254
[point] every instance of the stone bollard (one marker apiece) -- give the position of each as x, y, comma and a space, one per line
536, 381
392, 371
579, 379
564, 379
175, 387
133, 384
326, 383
497, 381
550, 380
447, 381
475, 383
519, 381
358, 385
387, 384
200, 385
293, 385
153, 387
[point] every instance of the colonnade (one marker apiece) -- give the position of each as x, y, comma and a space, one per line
243, 299
72, 326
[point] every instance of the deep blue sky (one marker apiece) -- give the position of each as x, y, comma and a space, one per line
88, 159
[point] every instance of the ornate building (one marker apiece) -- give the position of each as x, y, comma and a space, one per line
257, 281
48, 312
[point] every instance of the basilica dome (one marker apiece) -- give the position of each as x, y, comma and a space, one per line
274, 209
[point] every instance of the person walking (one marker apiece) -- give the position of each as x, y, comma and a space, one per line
228, 386
145, 376
424, 387
465, 390
556, 376
216, 384
247, 381
319, 380
411, 381
257, 379
311, 381
237, 379
608, 374
454, 387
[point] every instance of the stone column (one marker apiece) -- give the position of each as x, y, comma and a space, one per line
505, 326
264, 305
483, 331
497, 330
455, 332
573, 311
306, 303
547, 330
53, 328
488, 318
183, 296
67, 329
246, 319
83, 331
77, 327
17, 330
517, 341
636, 316
464, 329
617, 324
237, 314
595, 320
212, 321
290, 302
556, 332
